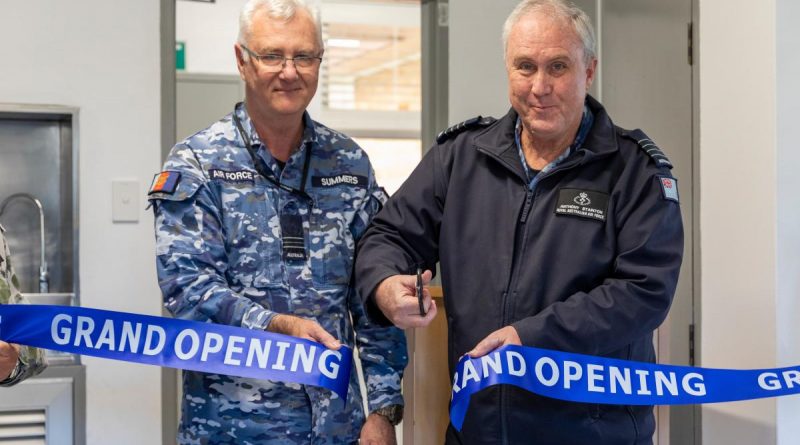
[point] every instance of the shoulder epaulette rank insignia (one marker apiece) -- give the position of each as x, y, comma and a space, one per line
475, 122
649, 147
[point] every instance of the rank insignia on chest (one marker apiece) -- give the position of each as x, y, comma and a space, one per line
165, 182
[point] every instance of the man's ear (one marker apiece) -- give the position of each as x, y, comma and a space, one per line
591, 70
240, 56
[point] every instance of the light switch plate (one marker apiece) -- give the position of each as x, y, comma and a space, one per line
125, 200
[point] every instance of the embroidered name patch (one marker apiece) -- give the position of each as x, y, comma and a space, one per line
235, 176
333, 181
165, 182
583, 203
669, 186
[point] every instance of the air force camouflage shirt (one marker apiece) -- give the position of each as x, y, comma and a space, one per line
221, 259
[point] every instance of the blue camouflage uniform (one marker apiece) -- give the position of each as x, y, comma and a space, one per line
220, 259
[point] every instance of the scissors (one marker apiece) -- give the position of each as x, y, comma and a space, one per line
420, 298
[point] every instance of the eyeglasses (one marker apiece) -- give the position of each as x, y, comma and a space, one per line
276, 62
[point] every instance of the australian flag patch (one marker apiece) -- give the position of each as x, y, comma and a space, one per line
669, 188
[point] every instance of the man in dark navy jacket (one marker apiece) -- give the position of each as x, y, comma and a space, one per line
553, 228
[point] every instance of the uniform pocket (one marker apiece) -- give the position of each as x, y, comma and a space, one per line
331, 243
331, 251
252, 235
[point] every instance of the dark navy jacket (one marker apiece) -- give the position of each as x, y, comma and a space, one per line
594, 279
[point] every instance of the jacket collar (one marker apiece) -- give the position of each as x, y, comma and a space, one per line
497, 140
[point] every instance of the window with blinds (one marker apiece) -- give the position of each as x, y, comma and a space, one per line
371, 67
371, 80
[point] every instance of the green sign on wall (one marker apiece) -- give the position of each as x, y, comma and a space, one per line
180, 55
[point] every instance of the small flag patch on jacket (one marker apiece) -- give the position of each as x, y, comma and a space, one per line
165, 182
670, 188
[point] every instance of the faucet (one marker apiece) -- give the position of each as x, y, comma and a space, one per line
44, 276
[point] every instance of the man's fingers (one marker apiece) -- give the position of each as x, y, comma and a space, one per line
427, 299
430, 314
504, 336
303, 328
396, 296
412, 319
486, 345
413, 306
403, 283
8, 349
317, 333
427, 276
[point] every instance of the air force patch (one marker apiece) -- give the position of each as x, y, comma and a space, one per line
240, 176
669, 188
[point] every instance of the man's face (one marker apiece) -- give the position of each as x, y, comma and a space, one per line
547, 76
280, 91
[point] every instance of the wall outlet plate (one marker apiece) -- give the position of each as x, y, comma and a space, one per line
125, 200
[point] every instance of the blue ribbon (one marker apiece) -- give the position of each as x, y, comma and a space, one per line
589, 379
181, 344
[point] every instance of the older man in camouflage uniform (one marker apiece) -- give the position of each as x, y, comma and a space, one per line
257, 217
17, 363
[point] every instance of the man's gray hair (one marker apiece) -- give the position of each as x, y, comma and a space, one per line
557, 9
277, 9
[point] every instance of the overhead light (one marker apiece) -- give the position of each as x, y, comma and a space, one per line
344, 43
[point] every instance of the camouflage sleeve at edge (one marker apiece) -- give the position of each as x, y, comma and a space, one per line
31, 360
382, 350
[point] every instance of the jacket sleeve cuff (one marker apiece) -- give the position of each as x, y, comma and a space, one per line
258, 318
382, 399
367, 286
527, 332
14, 377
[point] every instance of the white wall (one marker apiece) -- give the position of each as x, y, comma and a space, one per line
788, 222
739, 194
209, 31
482, 89
102, 57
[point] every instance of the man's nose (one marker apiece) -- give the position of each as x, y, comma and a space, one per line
541, 84
288, 70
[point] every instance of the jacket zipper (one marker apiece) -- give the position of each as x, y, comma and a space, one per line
515, 261
520, 239
519, 236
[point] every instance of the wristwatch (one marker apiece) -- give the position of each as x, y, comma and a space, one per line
392, 413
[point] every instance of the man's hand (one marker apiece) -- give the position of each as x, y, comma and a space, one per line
396, 297
9, 354
501, 337
377, 431
302, 328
